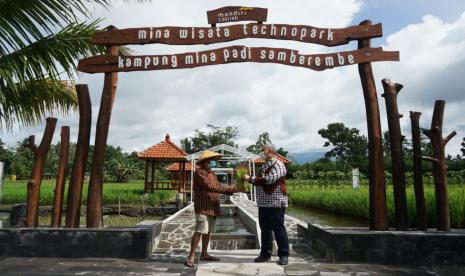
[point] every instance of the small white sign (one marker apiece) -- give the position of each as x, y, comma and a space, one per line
1, 179
355, 178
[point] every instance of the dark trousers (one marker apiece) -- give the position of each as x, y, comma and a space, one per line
271, 221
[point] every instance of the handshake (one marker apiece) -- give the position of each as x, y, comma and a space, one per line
240, 188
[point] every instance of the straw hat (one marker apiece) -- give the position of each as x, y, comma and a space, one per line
208, 154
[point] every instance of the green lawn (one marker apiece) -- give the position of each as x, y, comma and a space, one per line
127, 193
342, 199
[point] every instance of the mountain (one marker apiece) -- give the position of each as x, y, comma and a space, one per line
304, 157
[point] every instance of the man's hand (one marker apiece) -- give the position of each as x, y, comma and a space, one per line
246, 177
235, 190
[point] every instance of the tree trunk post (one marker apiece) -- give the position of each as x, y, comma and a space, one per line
391, 90
378, 207
61, 178
439, 164
33, 185
420, 204
94, 217
152, 175
146, 176
73, 209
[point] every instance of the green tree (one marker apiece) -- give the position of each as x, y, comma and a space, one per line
6, 156
40, 43
347, 144
22, 160
262, 140
215, 136
463, 147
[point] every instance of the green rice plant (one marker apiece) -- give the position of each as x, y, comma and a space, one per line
113, 193
354, 202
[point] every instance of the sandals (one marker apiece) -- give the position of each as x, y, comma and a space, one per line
211, 259
189, 264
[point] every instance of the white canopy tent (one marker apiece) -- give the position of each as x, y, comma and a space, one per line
230, 154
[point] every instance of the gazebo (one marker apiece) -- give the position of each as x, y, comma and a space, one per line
174, 170
165, 151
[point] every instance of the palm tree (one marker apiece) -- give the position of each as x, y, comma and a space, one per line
40, 44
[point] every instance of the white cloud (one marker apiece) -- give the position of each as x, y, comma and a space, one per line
290, 103
431, 68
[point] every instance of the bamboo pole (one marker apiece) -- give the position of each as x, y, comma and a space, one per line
73, 209
33, 185
420, 204
61, 178
439, 164
378, 207
94, 217
391, 90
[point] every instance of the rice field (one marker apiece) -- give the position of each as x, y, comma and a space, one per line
345, 200
113, 193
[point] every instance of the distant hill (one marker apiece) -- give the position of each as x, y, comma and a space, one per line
304, 157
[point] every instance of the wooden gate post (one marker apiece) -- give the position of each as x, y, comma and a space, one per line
73, 209
418, 172
391, 90
61, 177
94, 199
33, 185
378, 207
439, 164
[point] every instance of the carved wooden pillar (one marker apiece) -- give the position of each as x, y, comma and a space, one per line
73, 209
422, 223
94, 217
33, 185
378, 207
439, 164
61, 178
391, 90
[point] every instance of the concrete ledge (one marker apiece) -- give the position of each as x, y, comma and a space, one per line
128, 243
388, 247
250, 222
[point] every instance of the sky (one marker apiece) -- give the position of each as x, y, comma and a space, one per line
290, 103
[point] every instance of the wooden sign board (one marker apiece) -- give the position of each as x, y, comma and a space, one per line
232, 54
211, 35
237, 13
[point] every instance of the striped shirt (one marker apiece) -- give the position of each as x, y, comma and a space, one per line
277, 198
206, 190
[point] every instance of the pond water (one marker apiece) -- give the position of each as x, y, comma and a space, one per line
230, 224
324, 218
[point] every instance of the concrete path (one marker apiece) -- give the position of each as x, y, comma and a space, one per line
168, 258
240, 263
74, 267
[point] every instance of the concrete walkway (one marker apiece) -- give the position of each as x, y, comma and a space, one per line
168, 258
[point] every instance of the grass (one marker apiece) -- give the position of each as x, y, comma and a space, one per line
126, 193
107, 220
343, 200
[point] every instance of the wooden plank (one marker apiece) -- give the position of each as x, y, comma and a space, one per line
237, 13
210, 35
232, 54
